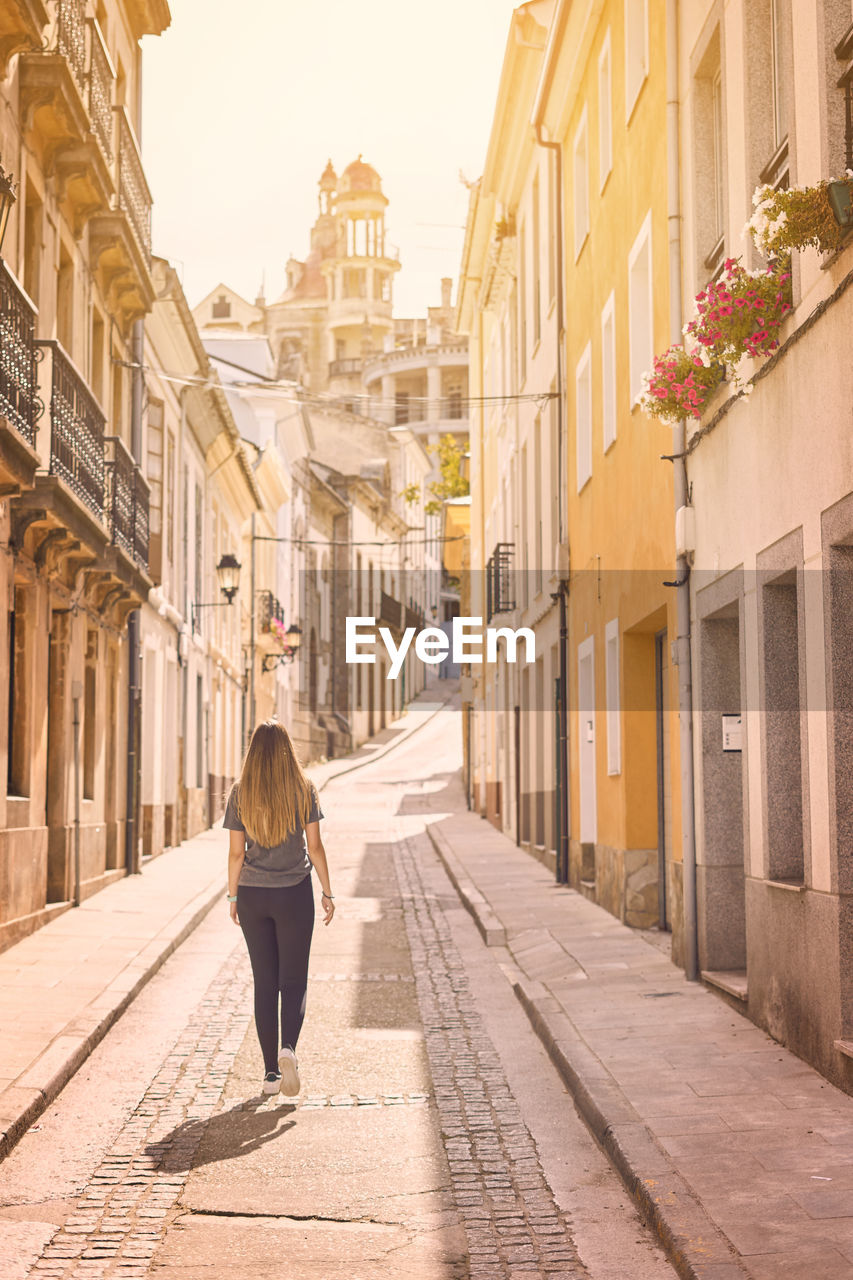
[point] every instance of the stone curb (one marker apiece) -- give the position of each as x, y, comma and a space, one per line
695, 1246
33, 1091
492, 931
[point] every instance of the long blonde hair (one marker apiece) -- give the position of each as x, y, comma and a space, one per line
273, 795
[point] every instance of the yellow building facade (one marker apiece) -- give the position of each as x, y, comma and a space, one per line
569, 463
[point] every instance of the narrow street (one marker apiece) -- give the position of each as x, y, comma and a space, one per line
433, 1137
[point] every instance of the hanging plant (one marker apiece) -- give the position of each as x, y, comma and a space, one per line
798, 218
740, 313
278, 629
680, 384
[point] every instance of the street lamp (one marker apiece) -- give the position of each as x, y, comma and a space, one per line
7, 199
293, 638
228, 577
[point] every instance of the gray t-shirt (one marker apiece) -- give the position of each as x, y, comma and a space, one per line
286, 863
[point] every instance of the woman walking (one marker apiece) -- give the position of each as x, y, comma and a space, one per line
273, 815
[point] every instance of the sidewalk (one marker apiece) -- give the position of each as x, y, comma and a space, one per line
738, 1152
63, 987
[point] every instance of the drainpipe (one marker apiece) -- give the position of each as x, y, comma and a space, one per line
76, 692
682, 574
561, 594
131, 851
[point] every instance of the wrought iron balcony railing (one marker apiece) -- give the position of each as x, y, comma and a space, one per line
134, 198
126, 501
391, 611
269, 608
119, 493
141, 517
500, 597
76, 429
19, 400
101, 79
71, 36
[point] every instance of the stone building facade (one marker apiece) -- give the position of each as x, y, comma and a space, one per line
76, 279
572, 509
772, 508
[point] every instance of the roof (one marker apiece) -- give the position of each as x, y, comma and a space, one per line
359, 176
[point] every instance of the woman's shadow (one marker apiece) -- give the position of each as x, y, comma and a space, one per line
224, 1136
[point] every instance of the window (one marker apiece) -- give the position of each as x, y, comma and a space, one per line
608, 373
89, 721
605, 113
718, 152
65, 300
401, 408
552, 226
96, 358
522, 305
221, 309
709, 160
640, 307
537, 319
581, 184
199, 544
636, 51
611, 677
170, 485
17, 760
583, 403
537, 500
199, 732
454, 402
778, 78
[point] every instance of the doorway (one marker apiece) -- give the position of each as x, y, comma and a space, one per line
588, 814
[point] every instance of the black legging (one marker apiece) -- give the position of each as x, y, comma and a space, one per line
277, 925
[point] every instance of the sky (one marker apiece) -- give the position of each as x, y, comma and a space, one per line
243, 104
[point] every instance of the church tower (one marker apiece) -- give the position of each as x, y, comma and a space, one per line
359, 272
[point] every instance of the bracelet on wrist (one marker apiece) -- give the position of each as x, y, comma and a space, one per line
330, 896
231, 898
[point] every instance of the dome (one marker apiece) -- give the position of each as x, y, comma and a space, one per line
359, 176
329, 179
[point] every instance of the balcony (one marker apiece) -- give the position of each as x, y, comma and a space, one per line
500, 596
19, 401
391, 612
86, 514
76, 430
271, 623
126, 501
63, 89
120, 239
21, 25
345, 368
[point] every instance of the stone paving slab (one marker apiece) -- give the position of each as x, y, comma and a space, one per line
738, 1152
63, 987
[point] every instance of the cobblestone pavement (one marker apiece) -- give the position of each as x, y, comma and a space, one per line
408, 1155
122, 1215
513, 1226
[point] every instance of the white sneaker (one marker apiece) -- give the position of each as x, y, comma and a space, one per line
289, 1068
272, 1082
